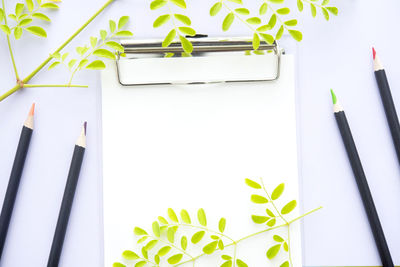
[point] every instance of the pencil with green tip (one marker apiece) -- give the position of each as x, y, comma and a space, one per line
362, 183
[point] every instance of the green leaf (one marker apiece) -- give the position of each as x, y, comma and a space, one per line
56, 55
175, 258
64, 57
162, 220
124, 34
277, 191
277, 1
13, 17
325, 13
130, 255
188, 31
279, 239
325, 2
292, 22
137, 230
259, 219
313, 10
172, 215
49, 5
156, 229
161, 20
228, 21
263, 9
117, 264
283, 11
164, 251
300, 5
186, 45
2, 15
18, 9
169, 38
142, 239
221, 244
201, 216
156, 4
83, 63
289, 207
185, 217
242, 11
184, 242
237, 1
196, 238
145, 253
271, 222
263, 28
113, 26
24, 22
273, 251
258, 199
179, 3
285, 247
210, 247
29, 5
297, 35
272, 21
215, 9
227, 264
215, 237
251, 183
103, 34
333, 10
53, 65
104, 53
71, 63
171, 233
39, 31
254, 20
81, 50
116, 46
140, 264
270, 213
226, 257
17, 32
41, 16
285, 264
241, 263
222, 224
256, 41
151, 245
184, 19
122, 21
157, 259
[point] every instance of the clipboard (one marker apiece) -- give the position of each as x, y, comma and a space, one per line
190, 137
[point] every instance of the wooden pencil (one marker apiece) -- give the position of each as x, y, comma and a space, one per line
387, 101
362, 183
67, 201
15, 177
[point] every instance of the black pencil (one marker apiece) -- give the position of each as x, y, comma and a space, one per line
68, 198
15, 177
387, 101
362, 183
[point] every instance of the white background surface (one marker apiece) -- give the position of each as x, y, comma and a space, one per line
335, 54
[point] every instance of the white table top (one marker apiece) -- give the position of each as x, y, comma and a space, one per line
335, 54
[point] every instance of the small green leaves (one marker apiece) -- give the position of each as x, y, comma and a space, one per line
140, 264
114, 45
228, 21
254, 20
96, 65
258, 199
2, 15
169, 38
150, 245
164, 250
29, 5
226, 264
333, 10
36, 30
297, 35
122, 22
184, 19
5, 29
241, 263
201, 216
221, 225
139, 231
285, 264
268, 38
49, 5
300, 5
171, 233
289, 207
172, 215
175, 258
277, 191
215, 9
18, 9
263, 9
104, 53
156, 4
271, 222
242, 11
156, 229
161, 20
256, 41
185, 217
251, 183
41, 16
117, 264
285, 247
313, 10
197, 237
277, 238
292, 22
187, 30
273, 251
162, 220
210, 247
124, 34
54, 64
184, 242
283, 11
259, 219
179, 3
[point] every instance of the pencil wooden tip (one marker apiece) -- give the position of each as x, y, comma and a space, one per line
334, 99
32, 110
85, 126
373, 53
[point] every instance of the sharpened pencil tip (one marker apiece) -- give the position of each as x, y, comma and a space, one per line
373, 52
334, 99
85, 126
32, 110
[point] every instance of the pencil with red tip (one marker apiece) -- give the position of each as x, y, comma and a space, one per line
387, 101
68, 198
15, 177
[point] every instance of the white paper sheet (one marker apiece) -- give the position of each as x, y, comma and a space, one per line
191, 147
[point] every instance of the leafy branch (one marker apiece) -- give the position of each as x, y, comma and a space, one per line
168, 244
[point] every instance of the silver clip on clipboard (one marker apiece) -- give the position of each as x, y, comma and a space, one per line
202, 48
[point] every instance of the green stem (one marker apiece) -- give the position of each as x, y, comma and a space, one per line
254, 234
41, 66
9, 45
54, 85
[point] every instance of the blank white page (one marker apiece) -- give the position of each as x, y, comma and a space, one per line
191, 147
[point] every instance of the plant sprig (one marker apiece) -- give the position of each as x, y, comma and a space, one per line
171, 237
